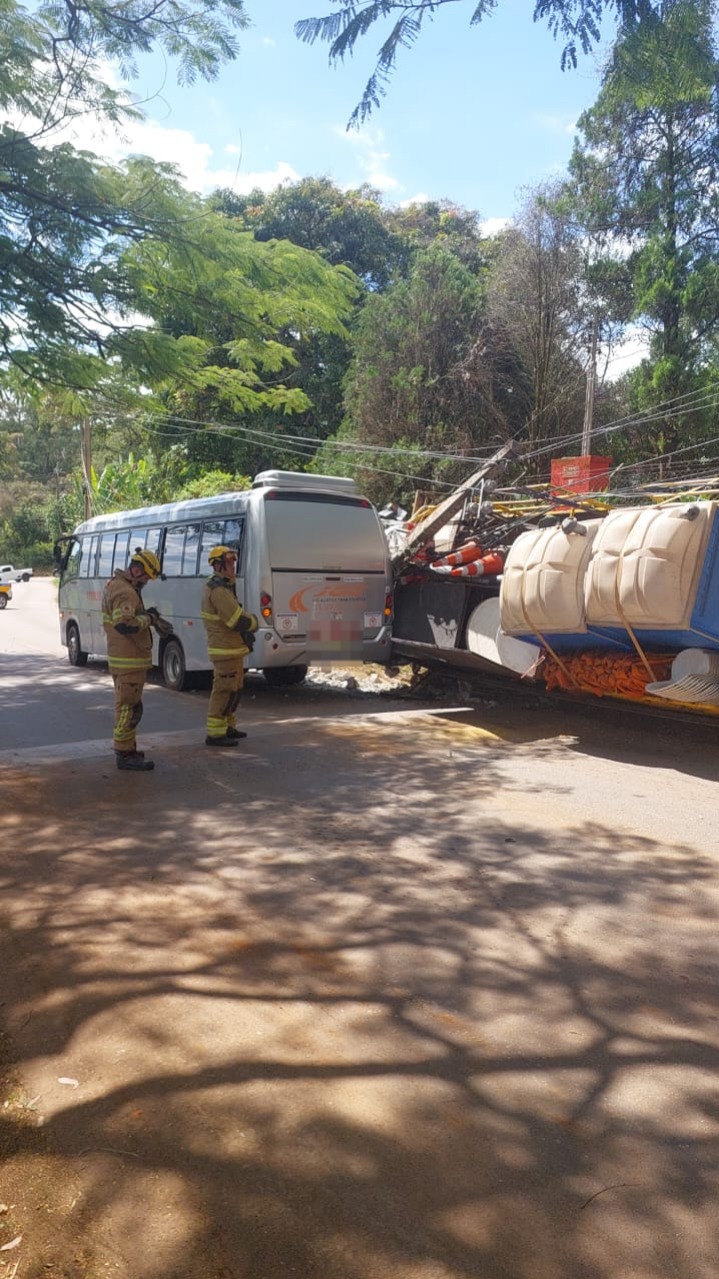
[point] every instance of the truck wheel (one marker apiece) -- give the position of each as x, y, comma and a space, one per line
76, 655
26, 577
172, 662
284, 676
3, 601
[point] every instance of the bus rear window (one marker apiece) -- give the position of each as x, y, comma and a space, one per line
313, 532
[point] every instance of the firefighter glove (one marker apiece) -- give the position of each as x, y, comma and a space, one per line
161, 624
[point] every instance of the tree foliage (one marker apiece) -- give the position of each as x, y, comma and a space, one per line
348, 228
646, 168
539, 316
577, 23
67, 218
412, 380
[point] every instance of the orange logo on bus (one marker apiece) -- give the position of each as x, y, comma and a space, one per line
297, 603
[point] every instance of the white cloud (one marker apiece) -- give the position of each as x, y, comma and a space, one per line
269, 42
194, 160
556, 124
370, 157
493, 226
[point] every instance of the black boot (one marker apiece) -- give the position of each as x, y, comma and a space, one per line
133, 762
221, 741
235, 734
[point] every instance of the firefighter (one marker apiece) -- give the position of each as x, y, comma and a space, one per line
127, 624
230, 633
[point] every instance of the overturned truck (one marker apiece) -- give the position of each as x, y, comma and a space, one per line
612, 598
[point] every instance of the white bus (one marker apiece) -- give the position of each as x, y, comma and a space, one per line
313, 564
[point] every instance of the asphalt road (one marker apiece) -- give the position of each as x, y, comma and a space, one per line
54, 710
398, 990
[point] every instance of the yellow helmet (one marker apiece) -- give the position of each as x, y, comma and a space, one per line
219, 552
147, 560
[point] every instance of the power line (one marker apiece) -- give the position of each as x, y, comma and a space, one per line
308, 446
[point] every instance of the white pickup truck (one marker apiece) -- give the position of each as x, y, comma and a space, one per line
9, 573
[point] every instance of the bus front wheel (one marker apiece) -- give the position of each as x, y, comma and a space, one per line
284, 676
174, 671
3, 601
76, 654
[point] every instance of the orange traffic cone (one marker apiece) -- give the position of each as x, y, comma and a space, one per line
488, 564
464, 555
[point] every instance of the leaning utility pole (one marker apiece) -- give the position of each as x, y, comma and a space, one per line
589, 399
86, 453
446, 509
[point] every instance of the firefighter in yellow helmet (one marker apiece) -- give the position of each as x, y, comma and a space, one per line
127, 624
230, 633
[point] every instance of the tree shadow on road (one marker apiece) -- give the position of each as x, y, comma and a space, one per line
348, 1008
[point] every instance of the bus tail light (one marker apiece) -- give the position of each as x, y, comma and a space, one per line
266, 606
388, 605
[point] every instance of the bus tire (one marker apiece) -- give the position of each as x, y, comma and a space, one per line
76, 654
284, 676
3, 601
172, 665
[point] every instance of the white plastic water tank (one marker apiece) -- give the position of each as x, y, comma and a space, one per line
543, 581
486, 638
696, 661
645, 565
694, 678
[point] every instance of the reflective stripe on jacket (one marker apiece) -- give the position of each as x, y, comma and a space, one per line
126, 624
220, 612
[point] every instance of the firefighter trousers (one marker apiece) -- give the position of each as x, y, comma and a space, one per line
227, 680
128, 707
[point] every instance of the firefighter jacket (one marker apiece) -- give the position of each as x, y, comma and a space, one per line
226, 622
126, 624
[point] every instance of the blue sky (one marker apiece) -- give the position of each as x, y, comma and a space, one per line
472, 114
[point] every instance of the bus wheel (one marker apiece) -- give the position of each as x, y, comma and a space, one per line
76, 654
174, 672
3, 601
284, 676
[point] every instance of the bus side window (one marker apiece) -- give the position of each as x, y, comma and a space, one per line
152, 539
172, 559
87, 554
137, 538
192, 546
72, 563
107, 550
121, 551
234, 530
213, 534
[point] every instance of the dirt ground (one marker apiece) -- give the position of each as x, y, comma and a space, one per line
406, 993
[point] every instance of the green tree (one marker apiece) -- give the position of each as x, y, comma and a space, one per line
65, 217
263, 325
539, 318
379, 243
348, 228
413, 381
440, 222
646, 168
